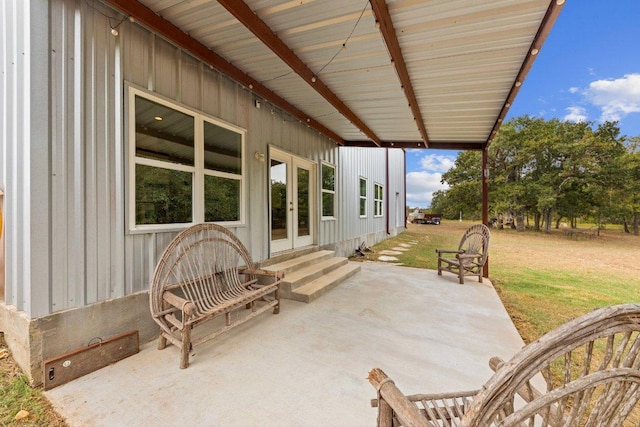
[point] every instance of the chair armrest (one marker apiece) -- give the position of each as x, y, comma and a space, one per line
261, 272
186, 306
463, 255
445, 251
405, 410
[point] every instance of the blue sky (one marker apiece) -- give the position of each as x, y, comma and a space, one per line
587, 70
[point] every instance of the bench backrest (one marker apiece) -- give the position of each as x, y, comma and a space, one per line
592, 370
203, 262
476, 241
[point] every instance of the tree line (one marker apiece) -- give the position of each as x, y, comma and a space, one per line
544, 172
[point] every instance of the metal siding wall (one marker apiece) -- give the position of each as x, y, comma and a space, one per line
396, 185
24, 121
370, 164
86, 153
93, 258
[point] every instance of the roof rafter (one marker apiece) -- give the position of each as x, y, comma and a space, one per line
381, 11
260, 29
146, 17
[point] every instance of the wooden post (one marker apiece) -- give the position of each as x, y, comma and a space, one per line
385, 414
485, 199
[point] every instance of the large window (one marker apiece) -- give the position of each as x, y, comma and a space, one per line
378, 191
185, 167
363, 197
328, 190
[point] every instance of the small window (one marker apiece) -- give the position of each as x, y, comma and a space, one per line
328, 190
378, 191
363, 197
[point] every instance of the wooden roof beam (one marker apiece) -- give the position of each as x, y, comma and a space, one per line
260, 29
383, 18
149, 19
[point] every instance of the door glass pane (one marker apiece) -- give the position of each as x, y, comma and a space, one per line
221, 199
279, 207
163, 196
303, 202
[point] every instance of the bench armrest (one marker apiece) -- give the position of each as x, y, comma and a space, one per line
180, 303
261, 272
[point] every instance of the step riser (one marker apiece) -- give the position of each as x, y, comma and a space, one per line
317, 257
307, 298
287, 286
288, 256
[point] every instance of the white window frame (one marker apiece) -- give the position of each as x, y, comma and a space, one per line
332, 192
366, 190
198, 170
378, 203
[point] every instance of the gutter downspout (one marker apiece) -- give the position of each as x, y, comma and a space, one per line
386, 156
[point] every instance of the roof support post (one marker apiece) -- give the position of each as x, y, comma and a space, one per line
485, 198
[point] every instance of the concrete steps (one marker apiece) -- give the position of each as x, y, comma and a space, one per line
312, 274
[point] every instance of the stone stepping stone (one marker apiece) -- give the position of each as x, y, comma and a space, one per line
399, 248
388, 252
387, 258
405, 245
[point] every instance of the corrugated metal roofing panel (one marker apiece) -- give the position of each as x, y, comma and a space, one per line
462, 57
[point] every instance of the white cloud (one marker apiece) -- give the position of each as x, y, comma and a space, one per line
420, 187
616, 98
437, 162
576, 114
574, 89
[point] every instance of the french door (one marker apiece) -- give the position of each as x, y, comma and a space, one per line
292, 200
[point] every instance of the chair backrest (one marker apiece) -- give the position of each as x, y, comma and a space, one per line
592, 369
476, 240
198, 257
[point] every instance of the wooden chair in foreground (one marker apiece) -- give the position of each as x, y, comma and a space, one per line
470, 256
591, 367
205, 273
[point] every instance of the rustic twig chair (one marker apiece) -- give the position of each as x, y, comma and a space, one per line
204, 273
471, 255
591, 367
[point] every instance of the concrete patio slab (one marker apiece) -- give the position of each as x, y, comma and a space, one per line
308, 365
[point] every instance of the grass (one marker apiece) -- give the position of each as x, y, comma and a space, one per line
17, 395
542, 279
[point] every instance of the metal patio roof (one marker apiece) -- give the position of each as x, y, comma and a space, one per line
401, 73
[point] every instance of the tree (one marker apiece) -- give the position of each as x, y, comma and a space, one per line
465, 184
549, 170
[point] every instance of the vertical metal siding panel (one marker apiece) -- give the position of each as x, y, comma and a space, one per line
136, 51
90, 77
103, 132
228, 100
59, 266
211, 92
190, 81
165, 69
76, 162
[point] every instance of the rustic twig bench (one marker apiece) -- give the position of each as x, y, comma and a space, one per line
584, 373
205, 273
